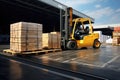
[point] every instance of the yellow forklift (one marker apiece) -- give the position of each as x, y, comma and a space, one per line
77, 33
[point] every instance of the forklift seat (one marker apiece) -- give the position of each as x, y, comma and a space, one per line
87, 30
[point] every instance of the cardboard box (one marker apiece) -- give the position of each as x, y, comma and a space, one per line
25, 36
46, 40
51, 40
56, 40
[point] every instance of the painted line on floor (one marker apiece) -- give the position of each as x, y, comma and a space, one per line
53, 72
110, 61
66, 61
74, 59
56, 59
86, 64
82, 63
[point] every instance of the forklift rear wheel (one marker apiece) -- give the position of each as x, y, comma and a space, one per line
96, 44
72, 45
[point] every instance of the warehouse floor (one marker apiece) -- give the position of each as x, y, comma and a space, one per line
103, 62
102, 57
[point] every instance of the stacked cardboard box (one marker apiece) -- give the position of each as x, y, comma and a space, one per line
55, 40
117, 29
116, 41
25, 36
46, 40
116, 36
51, 40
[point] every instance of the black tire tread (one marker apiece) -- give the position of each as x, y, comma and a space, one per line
94, 46
70, 43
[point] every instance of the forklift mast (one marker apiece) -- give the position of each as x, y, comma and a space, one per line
65, 26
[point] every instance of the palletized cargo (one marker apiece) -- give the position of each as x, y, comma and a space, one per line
55, 36
117, 29
51, 40
46, 40
116, 34
116, 41
25, 36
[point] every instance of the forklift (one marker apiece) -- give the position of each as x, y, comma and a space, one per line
77, 33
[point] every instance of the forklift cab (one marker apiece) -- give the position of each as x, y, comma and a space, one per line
82, 34
81, 27
80, 31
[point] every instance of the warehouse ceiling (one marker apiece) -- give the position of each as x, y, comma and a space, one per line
37, 11
12, 11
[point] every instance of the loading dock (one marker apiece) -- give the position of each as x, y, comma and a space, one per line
46, 12
49, 16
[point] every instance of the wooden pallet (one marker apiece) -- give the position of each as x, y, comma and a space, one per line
30, 52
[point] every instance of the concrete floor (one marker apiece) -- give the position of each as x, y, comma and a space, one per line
14, 70
107, 56
103, 62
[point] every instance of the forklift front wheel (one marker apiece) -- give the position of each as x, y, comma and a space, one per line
96, 44
72, 45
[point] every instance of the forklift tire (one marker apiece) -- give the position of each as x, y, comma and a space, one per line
96, 44
72, 45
